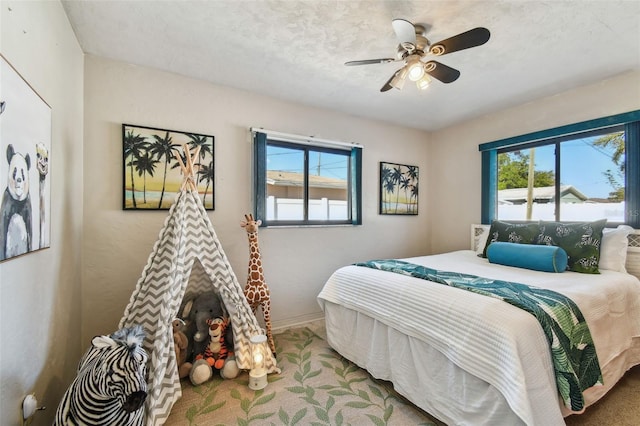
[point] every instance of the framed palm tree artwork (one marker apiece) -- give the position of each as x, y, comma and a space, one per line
151, 171
398, 189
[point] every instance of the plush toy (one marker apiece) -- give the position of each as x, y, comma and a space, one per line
196, 311
216, 355
230, 369
216, 351
180, 343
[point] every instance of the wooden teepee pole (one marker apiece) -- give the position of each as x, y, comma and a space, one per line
189, 181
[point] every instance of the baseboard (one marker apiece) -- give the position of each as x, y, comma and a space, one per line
300, 321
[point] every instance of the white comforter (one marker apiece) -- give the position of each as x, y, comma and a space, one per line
495, 341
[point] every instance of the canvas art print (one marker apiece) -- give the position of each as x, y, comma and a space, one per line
152, 173
25, 178
398, 189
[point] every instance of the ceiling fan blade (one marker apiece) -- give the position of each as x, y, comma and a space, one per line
405, 32
472, 38
371, 61
387, 85
441, 72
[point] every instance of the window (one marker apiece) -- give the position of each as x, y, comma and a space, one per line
579, 177
300, 182
586, 171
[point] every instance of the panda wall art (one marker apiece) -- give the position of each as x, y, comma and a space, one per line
25, 180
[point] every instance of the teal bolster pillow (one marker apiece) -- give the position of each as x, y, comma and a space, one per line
529, 256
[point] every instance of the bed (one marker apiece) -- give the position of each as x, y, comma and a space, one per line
469, 359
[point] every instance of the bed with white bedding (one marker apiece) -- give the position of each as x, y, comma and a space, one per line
470, 359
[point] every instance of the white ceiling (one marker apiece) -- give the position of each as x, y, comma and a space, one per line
295, 50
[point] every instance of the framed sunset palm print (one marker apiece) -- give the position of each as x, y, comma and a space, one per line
151, 171
398, 189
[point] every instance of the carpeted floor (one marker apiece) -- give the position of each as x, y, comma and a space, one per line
316, 386
619, 407
319, 387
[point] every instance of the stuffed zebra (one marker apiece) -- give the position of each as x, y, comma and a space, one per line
110, 387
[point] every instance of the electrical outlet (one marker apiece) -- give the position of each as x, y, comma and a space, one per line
29, 406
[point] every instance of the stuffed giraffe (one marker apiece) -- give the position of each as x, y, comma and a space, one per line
256, 290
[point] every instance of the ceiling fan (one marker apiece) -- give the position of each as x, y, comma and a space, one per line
414, 48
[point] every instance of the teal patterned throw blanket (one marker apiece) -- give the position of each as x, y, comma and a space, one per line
572, 350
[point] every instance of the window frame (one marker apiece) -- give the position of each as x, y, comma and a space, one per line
354, 180
631, 123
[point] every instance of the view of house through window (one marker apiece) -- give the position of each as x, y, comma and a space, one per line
570, 178
308, 184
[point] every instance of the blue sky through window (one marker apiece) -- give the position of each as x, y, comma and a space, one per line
320, 163
583, 166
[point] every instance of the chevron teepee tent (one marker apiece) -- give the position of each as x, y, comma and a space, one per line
186, 258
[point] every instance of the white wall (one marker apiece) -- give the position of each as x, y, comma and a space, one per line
40, 291
297, 261
454, 168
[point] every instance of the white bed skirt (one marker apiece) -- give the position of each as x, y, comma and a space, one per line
437, 386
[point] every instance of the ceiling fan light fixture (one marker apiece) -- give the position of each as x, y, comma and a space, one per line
424, 82
397, 82
416, 68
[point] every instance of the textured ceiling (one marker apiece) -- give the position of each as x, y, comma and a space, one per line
295, 50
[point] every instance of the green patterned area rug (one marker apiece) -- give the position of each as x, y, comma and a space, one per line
316, 387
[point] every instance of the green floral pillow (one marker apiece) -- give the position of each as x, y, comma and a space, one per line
522, 233
581, 241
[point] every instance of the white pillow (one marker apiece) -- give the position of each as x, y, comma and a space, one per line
613, 249
482, 240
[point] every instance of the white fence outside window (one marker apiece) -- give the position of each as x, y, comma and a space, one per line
293, 209
613, 212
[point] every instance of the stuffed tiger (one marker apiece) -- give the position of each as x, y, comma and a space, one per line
110, 387
216, 356
216, 351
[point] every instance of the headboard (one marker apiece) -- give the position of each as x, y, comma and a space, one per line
633, 251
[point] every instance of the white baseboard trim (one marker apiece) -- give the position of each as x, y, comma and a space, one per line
300, 321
